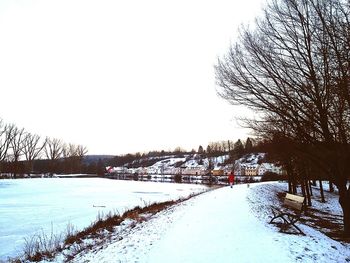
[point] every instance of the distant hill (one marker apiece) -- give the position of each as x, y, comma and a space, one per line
88, 159
169, 162
251, 158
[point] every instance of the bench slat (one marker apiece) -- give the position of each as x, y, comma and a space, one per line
293, 204
294, 201
296, 198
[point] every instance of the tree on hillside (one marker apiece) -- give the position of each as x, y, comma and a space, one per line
208, 150
293, 70
178, 150
229, 146
200, 149
248, 147
238, 149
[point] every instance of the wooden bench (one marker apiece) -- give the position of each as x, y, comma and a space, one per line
289, 217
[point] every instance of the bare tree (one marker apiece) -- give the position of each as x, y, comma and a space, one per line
73, 157
53, 151
32, 149
293, 70
6, 136
81, 151
65, 155
16, 146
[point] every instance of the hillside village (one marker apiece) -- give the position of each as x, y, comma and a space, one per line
193, 164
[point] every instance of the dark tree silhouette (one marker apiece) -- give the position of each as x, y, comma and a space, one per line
200, 149
238, 149
293, 70
248, 147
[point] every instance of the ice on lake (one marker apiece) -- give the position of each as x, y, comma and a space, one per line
30, 206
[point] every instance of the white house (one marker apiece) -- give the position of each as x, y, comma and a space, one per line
269, 167
277, 169
264, 167
152, 170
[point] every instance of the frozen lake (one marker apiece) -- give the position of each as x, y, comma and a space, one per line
29, 206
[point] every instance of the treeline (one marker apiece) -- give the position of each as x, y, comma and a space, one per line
21, 153
214, 149
234, 149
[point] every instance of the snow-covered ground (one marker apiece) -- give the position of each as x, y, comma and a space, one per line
223, 225
30, 206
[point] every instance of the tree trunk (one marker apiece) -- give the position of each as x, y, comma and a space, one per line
302, 185
30, 166
294, 185
331, 188
322, 193
344, 200
307, 188
290, 183
289, 186
310, 187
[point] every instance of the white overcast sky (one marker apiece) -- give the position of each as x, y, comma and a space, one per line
119, 76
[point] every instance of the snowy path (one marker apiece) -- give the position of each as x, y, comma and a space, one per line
217, 226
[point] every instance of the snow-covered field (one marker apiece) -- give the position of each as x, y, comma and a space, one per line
30, 206
224, 225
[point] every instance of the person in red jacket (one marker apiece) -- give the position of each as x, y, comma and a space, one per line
231, 178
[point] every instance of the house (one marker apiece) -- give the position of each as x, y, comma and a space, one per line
251, 170
110, 169
120, 170
277, 169
152, 170
269, 167
141, 171
172, 170
217, 172
191, 171
263, 168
